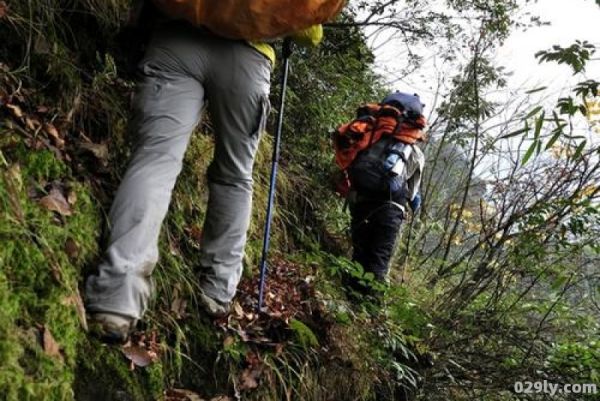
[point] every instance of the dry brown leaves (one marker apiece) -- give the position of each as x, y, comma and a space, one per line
142, 349
56, 202
43, 127
71, 248
99, 150
249, 378
177, 394
49, 344
288, 295
58, 197
52, 132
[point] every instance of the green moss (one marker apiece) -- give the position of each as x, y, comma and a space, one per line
40, 165
103, 373
39, 281
303, 334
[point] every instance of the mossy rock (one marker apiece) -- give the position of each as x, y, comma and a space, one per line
103, 373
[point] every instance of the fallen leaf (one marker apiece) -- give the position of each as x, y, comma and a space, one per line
221, 398
29, 124
249, 379
71, 248
3, 9
15, 110
177, 394
139, 356
54, 135
51, 347
56, 202
239, 311
43, 109
100, 150
51, 130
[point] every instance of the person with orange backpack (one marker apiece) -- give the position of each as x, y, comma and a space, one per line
382, 163
212, 54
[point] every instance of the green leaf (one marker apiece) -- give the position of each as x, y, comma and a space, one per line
553, 140
515, 133
529, 152
538, 126
533, 112
579, 150
541, 88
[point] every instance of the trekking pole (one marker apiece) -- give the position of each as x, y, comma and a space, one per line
286, 52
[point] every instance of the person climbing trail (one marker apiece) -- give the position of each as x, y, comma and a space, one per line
382, 163
198, 56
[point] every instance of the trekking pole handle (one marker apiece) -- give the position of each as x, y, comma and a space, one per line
286, 48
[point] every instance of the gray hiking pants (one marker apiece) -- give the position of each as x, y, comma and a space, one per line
181, 70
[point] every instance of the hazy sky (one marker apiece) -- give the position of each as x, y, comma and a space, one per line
569, 20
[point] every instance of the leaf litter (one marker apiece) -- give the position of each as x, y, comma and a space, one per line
142, 349
289, 294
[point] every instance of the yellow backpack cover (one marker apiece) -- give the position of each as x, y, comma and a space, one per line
252, 19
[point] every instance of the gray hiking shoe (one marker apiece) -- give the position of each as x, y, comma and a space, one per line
111, 327
213, 307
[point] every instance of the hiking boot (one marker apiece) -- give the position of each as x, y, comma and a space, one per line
111, 328
213, 307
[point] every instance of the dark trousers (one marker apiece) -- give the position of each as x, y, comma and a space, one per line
375, 226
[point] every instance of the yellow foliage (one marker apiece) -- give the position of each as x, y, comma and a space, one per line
473, 227
561, 151
587, 191
592, 106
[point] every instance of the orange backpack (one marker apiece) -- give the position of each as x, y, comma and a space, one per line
372, 122
252, 19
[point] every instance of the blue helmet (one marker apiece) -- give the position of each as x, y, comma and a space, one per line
411, 103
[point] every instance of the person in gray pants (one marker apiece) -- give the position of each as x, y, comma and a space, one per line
183, 70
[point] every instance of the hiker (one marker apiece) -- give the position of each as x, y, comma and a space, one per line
382, 164
186, 67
